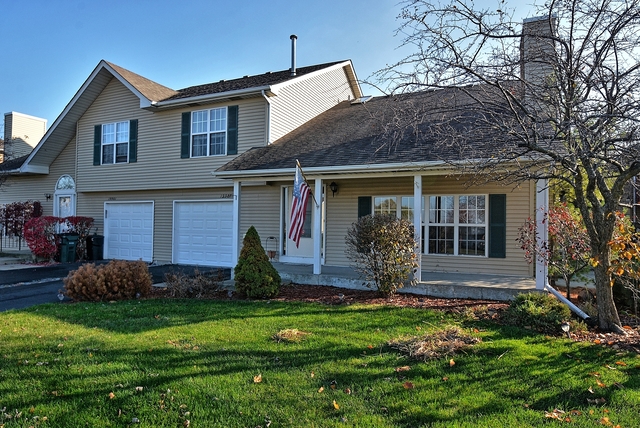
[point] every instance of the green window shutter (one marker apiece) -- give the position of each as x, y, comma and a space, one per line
185, 142
364, 206
97, 144
133, 140
232, 130
498, 226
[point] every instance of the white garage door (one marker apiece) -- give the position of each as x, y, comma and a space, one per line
203, 233
129, 231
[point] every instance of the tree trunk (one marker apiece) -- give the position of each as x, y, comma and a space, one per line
608, 318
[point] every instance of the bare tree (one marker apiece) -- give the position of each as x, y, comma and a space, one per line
556, 97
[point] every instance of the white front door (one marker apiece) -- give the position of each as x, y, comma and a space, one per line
64, 206
303, 253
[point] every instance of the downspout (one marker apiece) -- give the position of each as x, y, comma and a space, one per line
566, 301
268, 125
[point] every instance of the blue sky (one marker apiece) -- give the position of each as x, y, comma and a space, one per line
51, 47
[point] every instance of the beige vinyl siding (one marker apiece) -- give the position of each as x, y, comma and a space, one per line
297, 103
92, 205
159, 165
260, 208
342, 211
34, 187
24, 132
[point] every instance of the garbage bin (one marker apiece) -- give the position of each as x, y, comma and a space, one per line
95, 245
69, 242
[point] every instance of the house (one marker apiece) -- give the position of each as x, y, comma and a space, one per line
179, 175
138, 156
355, 167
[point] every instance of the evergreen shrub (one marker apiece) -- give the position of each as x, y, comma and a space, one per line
255, 277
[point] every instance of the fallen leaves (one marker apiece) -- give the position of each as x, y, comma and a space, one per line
403, 369
447, 342
336, 405
290, 335
408, 385
257, 378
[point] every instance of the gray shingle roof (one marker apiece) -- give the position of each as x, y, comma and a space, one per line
404, 128
151, 90
266, 79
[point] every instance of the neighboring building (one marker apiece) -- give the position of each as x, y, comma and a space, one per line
21, 134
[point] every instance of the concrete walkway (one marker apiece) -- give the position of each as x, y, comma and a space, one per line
435, 284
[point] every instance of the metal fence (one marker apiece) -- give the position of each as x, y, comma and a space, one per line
11, 242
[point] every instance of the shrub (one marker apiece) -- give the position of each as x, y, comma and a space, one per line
40, 234
117, 280
182, 285
383, 251
541, 312
255, 276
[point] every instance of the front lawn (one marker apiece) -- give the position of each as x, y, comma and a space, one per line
176, 363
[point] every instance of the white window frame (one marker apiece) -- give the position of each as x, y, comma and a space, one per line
456, 224
118, 140
398, 200
213, 123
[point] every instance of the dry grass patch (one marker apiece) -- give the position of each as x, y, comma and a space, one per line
292, 335
444, 343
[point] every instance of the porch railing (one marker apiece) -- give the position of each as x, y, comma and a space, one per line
11, 242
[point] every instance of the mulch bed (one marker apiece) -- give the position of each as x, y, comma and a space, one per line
481, 309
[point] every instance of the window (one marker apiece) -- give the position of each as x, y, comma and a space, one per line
115, 142
209, 132
457, 225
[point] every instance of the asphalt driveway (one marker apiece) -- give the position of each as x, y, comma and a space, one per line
25, 287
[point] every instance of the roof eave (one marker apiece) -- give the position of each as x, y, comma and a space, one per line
208, 98
33, 169
333, 170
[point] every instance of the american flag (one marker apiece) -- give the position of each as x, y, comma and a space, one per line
298, 206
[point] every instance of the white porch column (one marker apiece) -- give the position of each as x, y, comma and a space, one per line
317, 228
235, 244
417, 221
542, 205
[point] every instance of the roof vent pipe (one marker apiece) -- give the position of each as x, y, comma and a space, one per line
293, 54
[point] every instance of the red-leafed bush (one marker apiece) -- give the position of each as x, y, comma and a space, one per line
40, 234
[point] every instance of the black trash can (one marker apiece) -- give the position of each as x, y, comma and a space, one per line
96, 244
69, 242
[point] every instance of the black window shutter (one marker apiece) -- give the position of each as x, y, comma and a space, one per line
232, 130
185, 142
133, 140
97, 144
364, 206
498, 226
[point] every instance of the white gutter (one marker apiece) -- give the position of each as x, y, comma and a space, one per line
268, 124
330, 169
566, 301
210, 97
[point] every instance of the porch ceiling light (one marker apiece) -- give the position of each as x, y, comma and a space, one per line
334, 188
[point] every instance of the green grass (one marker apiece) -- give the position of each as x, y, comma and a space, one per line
196, 360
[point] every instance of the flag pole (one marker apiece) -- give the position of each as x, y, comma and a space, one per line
304, 177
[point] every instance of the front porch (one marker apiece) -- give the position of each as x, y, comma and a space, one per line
435, 284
